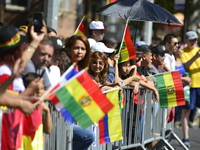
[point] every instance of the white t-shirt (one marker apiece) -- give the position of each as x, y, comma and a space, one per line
53, 74
91, 42
170, 61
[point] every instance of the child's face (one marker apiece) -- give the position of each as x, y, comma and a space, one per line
125, 68
41, 90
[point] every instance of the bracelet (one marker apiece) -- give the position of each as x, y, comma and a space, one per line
29, 48
32, 46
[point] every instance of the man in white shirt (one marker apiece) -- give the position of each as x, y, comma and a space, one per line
171, 46
96, 31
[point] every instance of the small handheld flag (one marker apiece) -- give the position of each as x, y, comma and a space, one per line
127, 50
81, 28
82, 98
170, 89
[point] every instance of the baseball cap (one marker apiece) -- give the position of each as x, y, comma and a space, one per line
191, 35
57, 43
97, 25
158, 50
139, 43
100, 47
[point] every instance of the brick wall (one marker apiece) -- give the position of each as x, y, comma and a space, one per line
67, 21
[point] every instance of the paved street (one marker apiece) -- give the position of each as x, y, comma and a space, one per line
194, 139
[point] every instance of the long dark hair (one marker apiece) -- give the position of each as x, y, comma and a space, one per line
70, 42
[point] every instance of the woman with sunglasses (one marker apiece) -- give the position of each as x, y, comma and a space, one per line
98, 69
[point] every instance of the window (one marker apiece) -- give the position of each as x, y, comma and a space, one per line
17, 5
64, 5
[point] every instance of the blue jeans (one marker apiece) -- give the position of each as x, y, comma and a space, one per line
82, 138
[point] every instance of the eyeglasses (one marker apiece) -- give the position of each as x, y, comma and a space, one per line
98, 62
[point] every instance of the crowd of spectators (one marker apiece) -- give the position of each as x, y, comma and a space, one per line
30, 63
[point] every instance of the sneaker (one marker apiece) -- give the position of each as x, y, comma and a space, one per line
186, 142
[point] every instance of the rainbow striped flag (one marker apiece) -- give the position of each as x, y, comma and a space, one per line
82, 98
170, 89
110, 126
81, 28
127, 50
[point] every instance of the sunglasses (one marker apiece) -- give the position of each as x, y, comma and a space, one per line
176, 43
98, 62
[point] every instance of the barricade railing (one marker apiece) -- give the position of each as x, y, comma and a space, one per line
142, 124
61, 136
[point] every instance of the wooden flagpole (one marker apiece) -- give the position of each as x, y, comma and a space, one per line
120, 48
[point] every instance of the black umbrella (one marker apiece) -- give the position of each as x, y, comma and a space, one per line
138, 10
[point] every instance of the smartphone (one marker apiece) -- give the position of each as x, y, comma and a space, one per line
38, 21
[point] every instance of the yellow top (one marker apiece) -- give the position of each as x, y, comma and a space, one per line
194, 68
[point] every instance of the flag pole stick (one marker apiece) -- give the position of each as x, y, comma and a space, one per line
66, 72
120, 48
48, 93
79, 25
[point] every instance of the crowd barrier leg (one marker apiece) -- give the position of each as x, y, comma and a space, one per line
162, 143
172, 135
180, 142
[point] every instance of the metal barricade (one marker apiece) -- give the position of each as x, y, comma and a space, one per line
61, 136
142, 124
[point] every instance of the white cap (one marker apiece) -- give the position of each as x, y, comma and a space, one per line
139, 43
97, 25
100, 47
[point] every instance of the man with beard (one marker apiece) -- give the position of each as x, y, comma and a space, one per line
40, 60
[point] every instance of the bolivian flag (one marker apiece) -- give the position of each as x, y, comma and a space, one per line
127, 51
83, 99
170, 89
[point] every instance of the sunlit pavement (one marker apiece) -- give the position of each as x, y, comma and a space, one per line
194, 139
